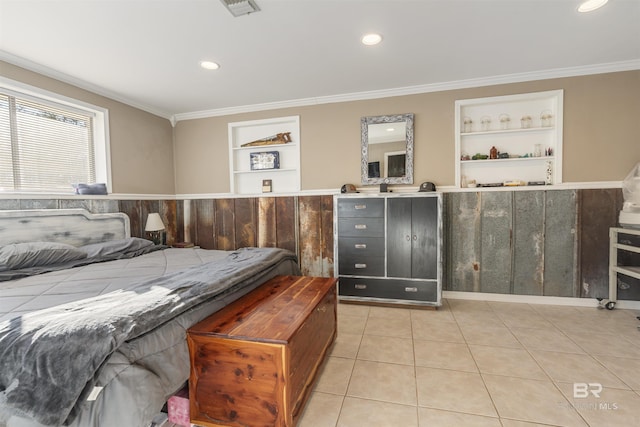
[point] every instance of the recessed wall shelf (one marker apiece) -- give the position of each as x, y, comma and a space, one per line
526, 127
286, 177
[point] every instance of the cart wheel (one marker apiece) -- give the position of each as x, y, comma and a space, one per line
610, 305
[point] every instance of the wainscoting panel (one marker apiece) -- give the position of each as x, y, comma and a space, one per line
547, 242
513, 242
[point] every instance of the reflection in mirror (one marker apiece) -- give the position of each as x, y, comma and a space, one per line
387, 149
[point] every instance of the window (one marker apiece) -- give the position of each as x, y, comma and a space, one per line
48, 142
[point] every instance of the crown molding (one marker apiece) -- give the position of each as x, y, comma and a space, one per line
347, 97
611, 67
82, 84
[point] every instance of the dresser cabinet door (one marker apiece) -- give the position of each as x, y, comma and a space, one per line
412, 237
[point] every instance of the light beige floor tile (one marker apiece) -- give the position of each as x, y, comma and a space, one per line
531, 400
351, 324
321, 410
386, 349
479, 318
545, 339
514, 423
436, 331
334, 375
584, 324
383, 381
453, 391
576, 368
605, 344
468, 305
439, 315
390, 312
359, 310
389, 327
346, 345
628, 370
361, 412
436, 418
613, 407
510, 307
492, 336
525, 320
513, 362
444, 355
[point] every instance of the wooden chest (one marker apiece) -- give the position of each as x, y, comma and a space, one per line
253, 363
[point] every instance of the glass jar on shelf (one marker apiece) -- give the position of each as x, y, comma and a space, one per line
504, 121
485, 123
546, 118
467, 124
525, 122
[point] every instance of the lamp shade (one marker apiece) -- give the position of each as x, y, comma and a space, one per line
154, 222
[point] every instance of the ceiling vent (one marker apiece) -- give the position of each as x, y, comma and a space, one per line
240, 7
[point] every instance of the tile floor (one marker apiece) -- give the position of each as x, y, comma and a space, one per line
478, 363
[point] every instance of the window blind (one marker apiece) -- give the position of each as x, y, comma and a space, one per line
44, 147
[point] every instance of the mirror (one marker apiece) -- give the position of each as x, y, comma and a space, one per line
387, 149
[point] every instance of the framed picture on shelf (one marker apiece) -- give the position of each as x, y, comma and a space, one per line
265, 160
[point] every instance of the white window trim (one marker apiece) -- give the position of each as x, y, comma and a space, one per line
102, 148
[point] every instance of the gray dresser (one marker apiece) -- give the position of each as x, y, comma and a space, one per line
388, 247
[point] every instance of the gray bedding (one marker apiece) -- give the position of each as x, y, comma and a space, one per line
113, 358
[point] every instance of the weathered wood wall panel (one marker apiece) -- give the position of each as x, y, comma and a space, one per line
267, 237
133, 209
528, 242
168, 212
246, 219
598, 211
462, 242
496, 246
561, 244
225, 225
205, 215
287, 223
327, 236
310, 217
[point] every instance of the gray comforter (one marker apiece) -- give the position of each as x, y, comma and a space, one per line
48, 359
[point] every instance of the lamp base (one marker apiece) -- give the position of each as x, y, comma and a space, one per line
157, 237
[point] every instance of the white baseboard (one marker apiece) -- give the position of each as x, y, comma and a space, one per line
536, 299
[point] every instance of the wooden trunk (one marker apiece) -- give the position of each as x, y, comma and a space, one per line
253, 363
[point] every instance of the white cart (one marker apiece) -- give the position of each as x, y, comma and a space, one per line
614, 268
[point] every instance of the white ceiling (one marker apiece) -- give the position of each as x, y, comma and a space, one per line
146, 52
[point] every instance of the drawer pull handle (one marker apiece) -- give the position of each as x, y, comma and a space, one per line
360, 246
360, 206
411, 289
361, 265
361, 226
322, 308
359, 286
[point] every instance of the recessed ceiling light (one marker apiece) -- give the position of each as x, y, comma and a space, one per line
390, 129
208, 65
371, 39
591, 5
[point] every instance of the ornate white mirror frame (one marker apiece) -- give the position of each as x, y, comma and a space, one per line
401, 145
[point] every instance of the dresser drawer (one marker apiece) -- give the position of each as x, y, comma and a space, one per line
361, 265
361, 246
360, 208
409, 290
361, 227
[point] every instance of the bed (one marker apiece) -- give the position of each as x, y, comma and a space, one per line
99, 339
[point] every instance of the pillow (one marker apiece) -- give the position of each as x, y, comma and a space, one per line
35, 254
113, 247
